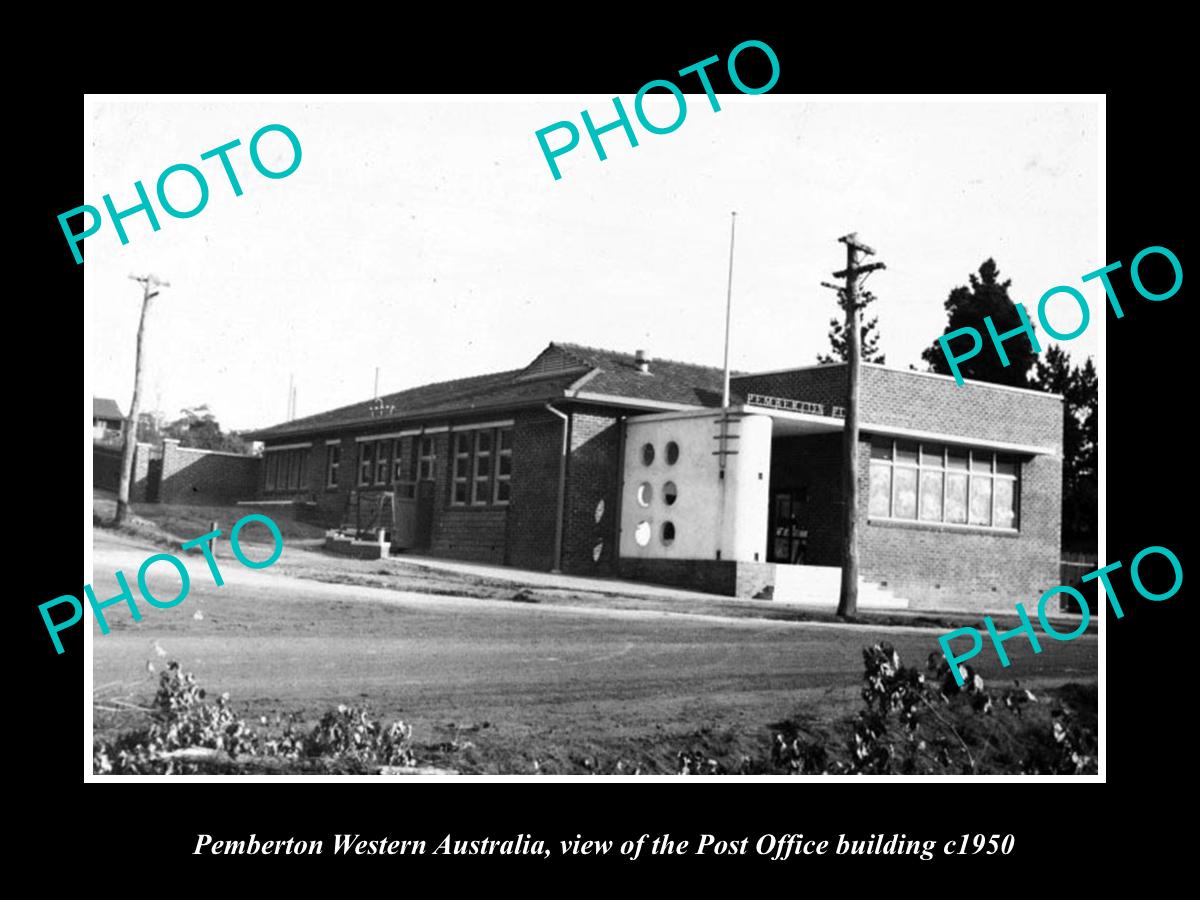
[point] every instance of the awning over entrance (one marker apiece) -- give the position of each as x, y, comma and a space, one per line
788, 423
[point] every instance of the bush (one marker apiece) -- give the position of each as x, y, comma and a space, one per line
189, 735
923, 723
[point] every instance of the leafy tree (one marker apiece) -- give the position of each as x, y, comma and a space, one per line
149, 430
868, 336
1079, 388
199, 428
987, 295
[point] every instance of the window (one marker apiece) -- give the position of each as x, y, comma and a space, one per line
462, 467
333, 459
366, 462
482, 477
428, 457
404, 450
397, 459
382, 464
299, 465
935, 483
481, 467
503, 492
286, 469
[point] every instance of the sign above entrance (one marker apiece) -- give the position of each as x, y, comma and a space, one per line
800, 406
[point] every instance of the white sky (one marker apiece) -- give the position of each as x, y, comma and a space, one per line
428, 237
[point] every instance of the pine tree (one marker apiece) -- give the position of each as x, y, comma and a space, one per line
1080, 479
868, 334
987, 295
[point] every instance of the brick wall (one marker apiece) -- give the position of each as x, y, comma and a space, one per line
821, 384
913, 400
923, 402
106, 467
537, 447
473, 534
713, 576
202, 477
593, 487
331, 502
140, 488
933, 566
947, 568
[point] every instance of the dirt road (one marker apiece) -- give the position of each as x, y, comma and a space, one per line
520, 681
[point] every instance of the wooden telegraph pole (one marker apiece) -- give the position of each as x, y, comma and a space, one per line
149, 284
848, 598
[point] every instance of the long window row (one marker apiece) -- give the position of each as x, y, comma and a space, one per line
482, 467
481, 457
936, 483
287, 469
383, 462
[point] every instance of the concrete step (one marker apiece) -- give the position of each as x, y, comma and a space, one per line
821, 586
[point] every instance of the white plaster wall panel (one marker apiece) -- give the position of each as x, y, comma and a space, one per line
708, 514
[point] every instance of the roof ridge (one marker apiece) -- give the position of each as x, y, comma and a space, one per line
601, 350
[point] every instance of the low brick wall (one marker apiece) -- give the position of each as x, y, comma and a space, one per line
204, 477
471, 534
354, 549
106, 467
714, 576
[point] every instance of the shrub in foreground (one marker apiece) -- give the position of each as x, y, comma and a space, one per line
188, 735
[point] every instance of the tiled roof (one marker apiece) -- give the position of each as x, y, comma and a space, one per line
103, 408
668, 381
545, 379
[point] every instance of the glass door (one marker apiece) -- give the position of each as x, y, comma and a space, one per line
789, 527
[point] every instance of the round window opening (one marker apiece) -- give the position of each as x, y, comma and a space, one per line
647, 454
672, 453
668, 533
641, 534
645, 494
669, 493
597, 551
599, 510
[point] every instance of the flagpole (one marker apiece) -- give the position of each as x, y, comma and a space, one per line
728, 310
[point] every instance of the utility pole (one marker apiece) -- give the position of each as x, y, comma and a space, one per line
150, 284
848, 597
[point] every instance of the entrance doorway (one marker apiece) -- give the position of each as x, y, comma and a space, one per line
404, 534
788, 528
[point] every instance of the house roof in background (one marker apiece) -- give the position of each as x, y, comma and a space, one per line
104, 408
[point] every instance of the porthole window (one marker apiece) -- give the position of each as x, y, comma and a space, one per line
672, 453
669, 493
597, 551
668, 533
599, 510
645, 493
641, 534
647, 454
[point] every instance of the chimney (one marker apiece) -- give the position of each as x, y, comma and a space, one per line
643, 364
